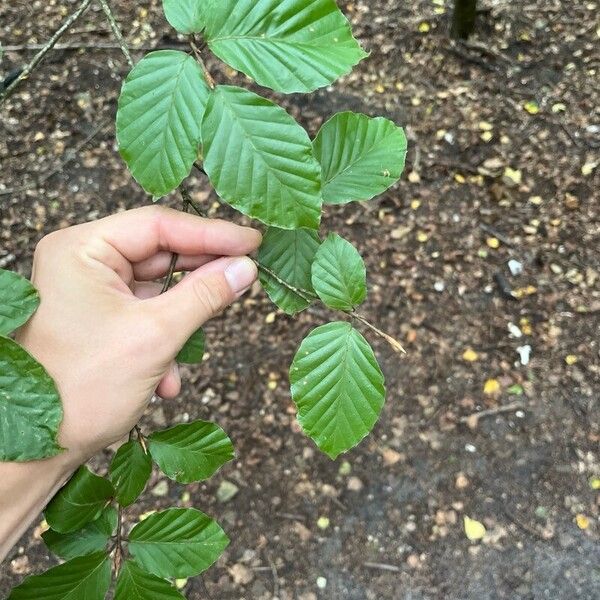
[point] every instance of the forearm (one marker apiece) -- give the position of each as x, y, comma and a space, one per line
25, 489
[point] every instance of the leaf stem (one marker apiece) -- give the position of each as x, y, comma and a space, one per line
393, 342
198, 55
119, 542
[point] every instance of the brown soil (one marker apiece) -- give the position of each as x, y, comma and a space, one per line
437, 282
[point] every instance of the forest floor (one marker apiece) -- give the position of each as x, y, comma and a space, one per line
503, 166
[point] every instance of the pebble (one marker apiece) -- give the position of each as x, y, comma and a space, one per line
321, 583
160, 489
227, 491
515, 267
354, 484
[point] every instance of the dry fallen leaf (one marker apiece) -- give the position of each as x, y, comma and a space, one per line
491, 387
474, 530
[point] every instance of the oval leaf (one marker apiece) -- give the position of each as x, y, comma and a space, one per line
92, 538
30, 407
134, 582
339, 275
289, 256
79, 502
287, 45
18, 301
158, 119
193, 350
130, 470
191, 451
337, 386
186, 16
84, 577
178, 542
260, 160
360, 156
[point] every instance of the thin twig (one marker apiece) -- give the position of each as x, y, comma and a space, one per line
118, 544
493, 411
175, 45
382, 567
198, 55
117, 31
275, 575
37, 59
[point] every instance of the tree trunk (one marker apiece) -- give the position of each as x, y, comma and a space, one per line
463, 19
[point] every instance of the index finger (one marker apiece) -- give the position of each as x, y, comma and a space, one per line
140, 233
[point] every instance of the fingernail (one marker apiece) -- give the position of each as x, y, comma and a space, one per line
240, 274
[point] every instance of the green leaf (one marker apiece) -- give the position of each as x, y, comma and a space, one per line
30, 407
85, 577
186, 16
260, 160
79, 502
134, 583
191, 451
92, 538
289, 255
193, 350
360, 156
177, 542
339, 275
287, 45
337, 386
18, 301
158, 119
130, 470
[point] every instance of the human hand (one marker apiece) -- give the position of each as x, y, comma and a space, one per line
102, 330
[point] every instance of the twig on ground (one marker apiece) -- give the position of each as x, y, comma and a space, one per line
382, 567
93, 46
37, 59
493, 411
497, 234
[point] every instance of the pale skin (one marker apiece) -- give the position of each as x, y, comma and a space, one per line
107, 336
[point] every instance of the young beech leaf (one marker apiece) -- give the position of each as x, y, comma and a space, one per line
193, 350
86, 577
177, 542
260, 160
360, 156
191, 451
18, 301
130, 470
134, 582
30, 407
339, 275
92, 538
337, 386
186, 16
79, 502
289, 255
287, 45
158, 119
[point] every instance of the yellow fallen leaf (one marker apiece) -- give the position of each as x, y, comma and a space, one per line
470, 355
323, 523
571, 359
525, 326
459, 178
558, 107
582, 521
415, 204
491, 387
595, 483
379, 88
424, 27
414, 177
422, 237
588, 168
528, 290
493, 242
531, 107
487, 136
270, 318
272, 385
474, 530
537, 200
512, 176
485, 126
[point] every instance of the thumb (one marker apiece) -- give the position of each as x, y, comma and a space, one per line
202, 295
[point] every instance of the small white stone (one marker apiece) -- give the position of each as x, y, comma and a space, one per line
524, 354
514, 331
321, 583
515, 267
470, 448
439, 286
